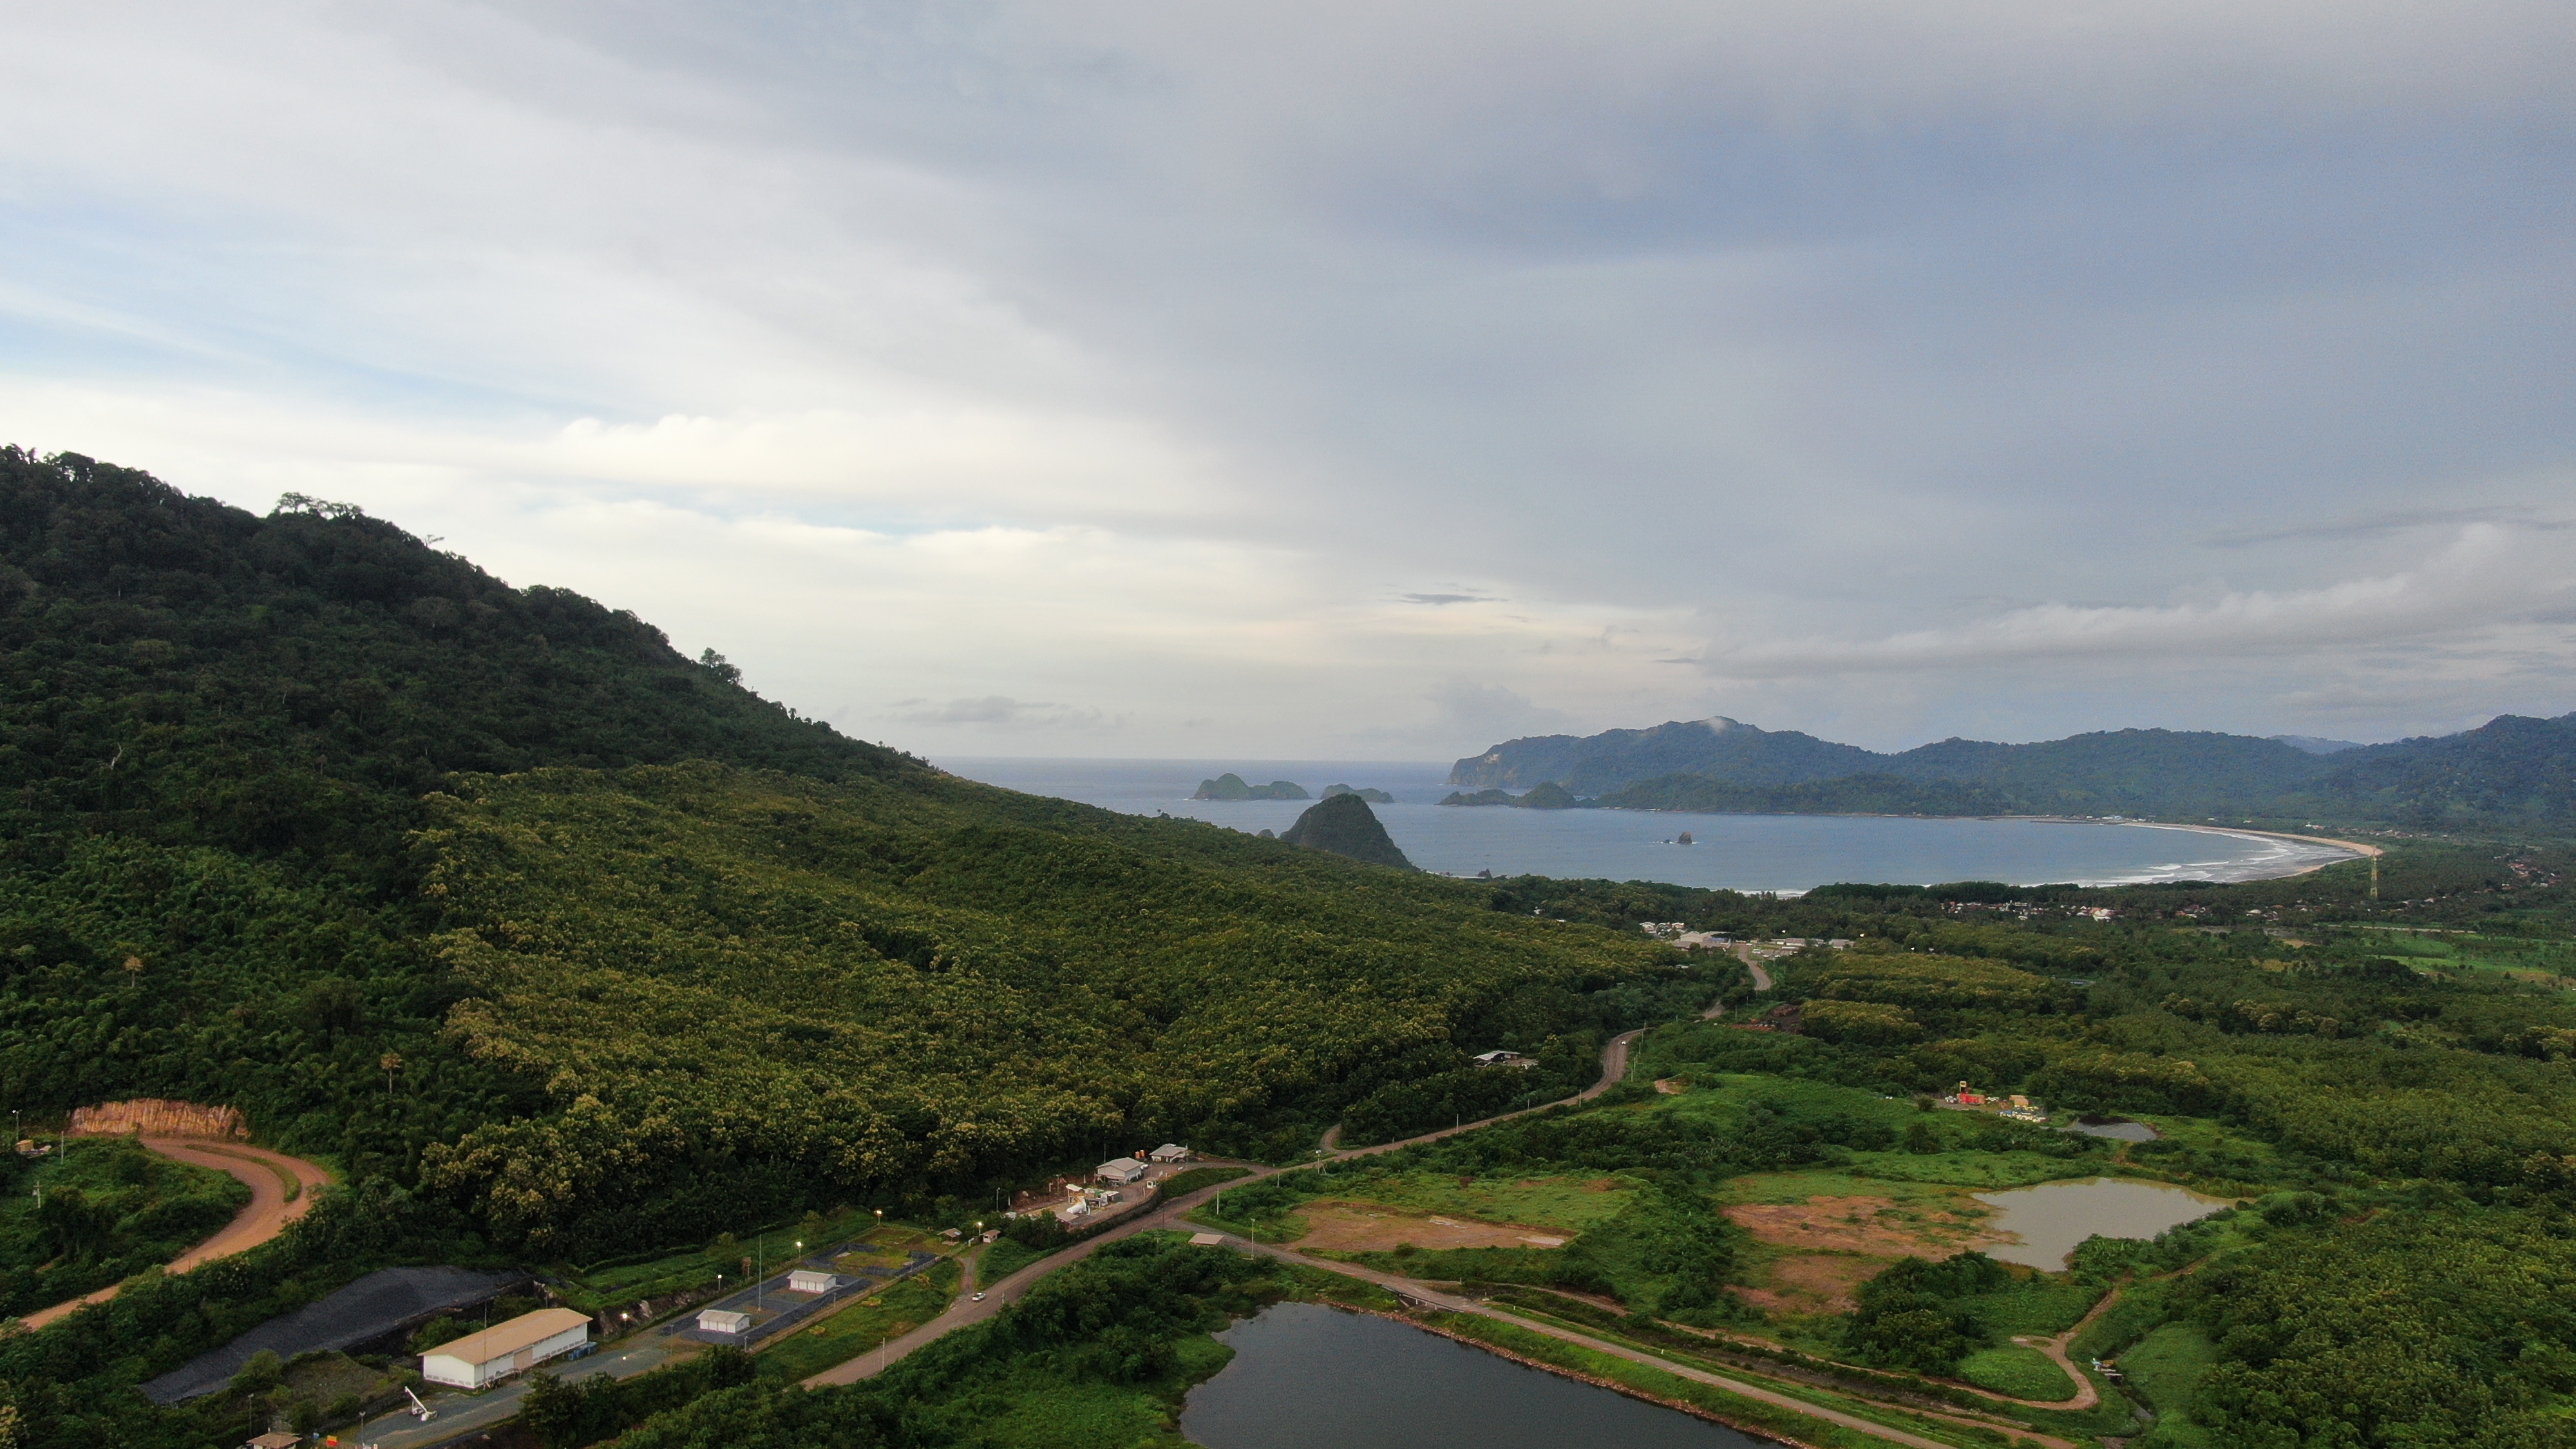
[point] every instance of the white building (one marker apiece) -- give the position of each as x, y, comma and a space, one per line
1171, 1152
504, 1349
720, 1320
1503, 1059
809, 1280
1121, 1169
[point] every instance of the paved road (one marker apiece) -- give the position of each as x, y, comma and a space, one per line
1614, 1069
271, 1209
460, 1414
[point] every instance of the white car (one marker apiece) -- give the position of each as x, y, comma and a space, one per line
979, 1297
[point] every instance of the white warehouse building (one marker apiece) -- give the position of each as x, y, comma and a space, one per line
504, 1349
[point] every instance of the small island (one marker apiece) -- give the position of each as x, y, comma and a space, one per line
1231, 786
1546, 795
1344, 825
1374, 797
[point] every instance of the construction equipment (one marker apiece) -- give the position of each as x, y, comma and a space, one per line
419, 1410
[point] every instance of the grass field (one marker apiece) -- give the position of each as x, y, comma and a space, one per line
1003, 1259
1182, 1184
888, 1314
604, 1289
2546, 963
2165, 1368
2024, 1373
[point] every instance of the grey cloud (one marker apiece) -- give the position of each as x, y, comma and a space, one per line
1439, 599
996, 710
2517, 515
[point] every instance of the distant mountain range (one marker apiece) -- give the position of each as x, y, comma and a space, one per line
2513, 769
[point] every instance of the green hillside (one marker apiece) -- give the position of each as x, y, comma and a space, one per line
742, 989
225, 735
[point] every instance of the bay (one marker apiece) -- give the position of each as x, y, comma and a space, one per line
1785, 853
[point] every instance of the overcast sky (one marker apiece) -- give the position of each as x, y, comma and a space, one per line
1371, 380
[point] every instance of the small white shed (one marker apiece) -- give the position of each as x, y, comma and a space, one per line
723, 1320
506, 1348
811, 1280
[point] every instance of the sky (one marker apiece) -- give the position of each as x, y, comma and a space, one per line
1370, 380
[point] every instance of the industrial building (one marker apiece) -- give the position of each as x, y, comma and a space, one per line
1121, 1169
720, 1320
507, 1348
809, 1280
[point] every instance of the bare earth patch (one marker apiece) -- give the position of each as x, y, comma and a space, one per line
1873, 1225
1821, 1283
1356, 1227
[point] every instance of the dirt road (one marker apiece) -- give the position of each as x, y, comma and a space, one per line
965, 1310
281, 1190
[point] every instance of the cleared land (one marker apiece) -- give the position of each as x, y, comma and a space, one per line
1353, 1227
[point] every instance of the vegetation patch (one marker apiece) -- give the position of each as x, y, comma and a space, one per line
110, 1208
881, 1317
2023, 1373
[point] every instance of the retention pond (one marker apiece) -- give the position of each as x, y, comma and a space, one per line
2050, 1220
1305, 1375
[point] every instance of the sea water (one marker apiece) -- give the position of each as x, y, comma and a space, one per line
1735, 852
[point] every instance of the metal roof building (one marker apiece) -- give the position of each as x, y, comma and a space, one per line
506, 1348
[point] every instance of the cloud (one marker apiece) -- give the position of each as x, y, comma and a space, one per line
1902, 365
2516, 515
2487, 575
998, 710
1488, 713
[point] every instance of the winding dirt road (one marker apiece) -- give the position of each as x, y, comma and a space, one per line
281, 1190
965, 1310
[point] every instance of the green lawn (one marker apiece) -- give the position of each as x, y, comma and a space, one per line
855, 1330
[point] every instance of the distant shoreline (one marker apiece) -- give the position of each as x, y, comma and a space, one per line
2359, 850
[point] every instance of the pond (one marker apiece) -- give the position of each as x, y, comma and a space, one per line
2050, 1220
1304, 1375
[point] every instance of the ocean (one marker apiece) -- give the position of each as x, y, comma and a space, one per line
1734, 852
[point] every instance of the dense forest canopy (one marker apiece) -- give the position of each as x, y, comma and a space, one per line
861, 988
2511, 771
226, 736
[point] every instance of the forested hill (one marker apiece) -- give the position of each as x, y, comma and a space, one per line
306, 817
2511, 771
180, 670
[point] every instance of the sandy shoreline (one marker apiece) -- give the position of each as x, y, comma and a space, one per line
2359, 850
